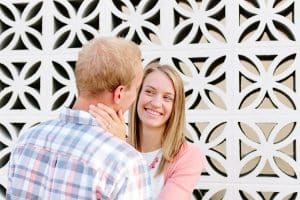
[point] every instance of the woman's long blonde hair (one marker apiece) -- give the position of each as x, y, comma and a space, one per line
173, 136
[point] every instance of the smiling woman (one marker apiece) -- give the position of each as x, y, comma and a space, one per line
156, 100
156, 130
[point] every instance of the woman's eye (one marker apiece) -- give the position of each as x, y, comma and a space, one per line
168, 98
149, 92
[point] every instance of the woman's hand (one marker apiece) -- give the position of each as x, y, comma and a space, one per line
110, 120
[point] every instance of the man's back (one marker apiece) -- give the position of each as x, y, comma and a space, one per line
73, 158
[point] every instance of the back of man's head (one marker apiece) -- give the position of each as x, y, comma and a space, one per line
105, 63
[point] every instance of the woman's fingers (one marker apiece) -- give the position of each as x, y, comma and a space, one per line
100, 113
121, 116
100, 120
109, 111
110, 120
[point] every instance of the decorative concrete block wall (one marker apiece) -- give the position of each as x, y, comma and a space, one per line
239, 60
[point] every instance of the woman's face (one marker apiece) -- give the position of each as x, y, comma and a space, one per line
156, 100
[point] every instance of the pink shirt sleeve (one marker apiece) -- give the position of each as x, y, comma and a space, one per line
183, 174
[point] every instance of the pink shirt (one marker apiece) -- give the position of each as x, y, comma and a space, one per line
182, 175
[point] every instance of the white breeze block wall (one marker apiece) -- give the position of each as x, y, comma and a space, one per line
239, 60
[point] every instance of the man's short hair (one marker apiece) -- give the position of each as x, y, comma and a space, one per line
105, 63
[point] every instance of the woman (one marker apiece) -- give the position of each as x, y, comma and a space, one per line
156, 123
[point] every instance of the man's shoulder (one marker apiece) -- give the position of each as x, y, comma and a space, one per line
117, 151
35, 129
121, 148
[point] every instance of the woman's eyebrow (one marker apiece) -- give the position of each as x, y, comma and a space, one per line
170, 93
149, 86
153, 88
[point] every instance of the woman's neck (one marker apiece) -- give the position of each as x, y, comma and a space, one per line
150, 138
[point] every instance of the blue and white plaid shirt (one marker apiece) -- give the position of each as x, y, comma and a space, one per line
73, 158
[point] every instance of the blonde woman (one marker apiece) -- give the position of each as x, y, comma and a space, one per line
156, 123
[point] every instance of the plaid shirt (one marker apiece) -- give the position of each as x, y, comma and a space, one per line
73, 158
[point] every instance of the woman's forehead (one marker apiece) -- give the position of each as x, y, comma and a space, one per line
159, 81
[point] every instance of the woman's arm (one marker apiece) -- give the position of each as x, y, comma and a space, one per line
183, 174
110, 120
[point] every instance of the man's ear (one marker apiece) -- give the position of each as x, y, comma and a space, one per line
118, 94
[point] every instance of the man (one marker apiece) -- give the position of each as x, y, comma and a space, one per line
72, 157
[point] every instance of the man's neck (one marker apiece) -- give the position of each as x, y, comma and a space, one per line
83, 102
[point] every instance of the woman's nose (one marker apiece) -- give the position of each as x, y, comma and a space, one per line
156, 101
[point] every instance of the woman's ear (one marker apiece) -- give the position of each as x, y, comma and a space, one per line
118, 94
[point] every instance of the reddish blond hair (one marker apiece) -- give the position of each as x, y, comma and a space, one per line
105, 63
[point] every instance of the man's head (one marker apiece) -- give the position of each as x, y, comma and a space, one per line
109, 65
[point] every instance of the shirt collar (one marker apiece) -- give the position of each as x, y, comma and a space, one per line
77, 116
